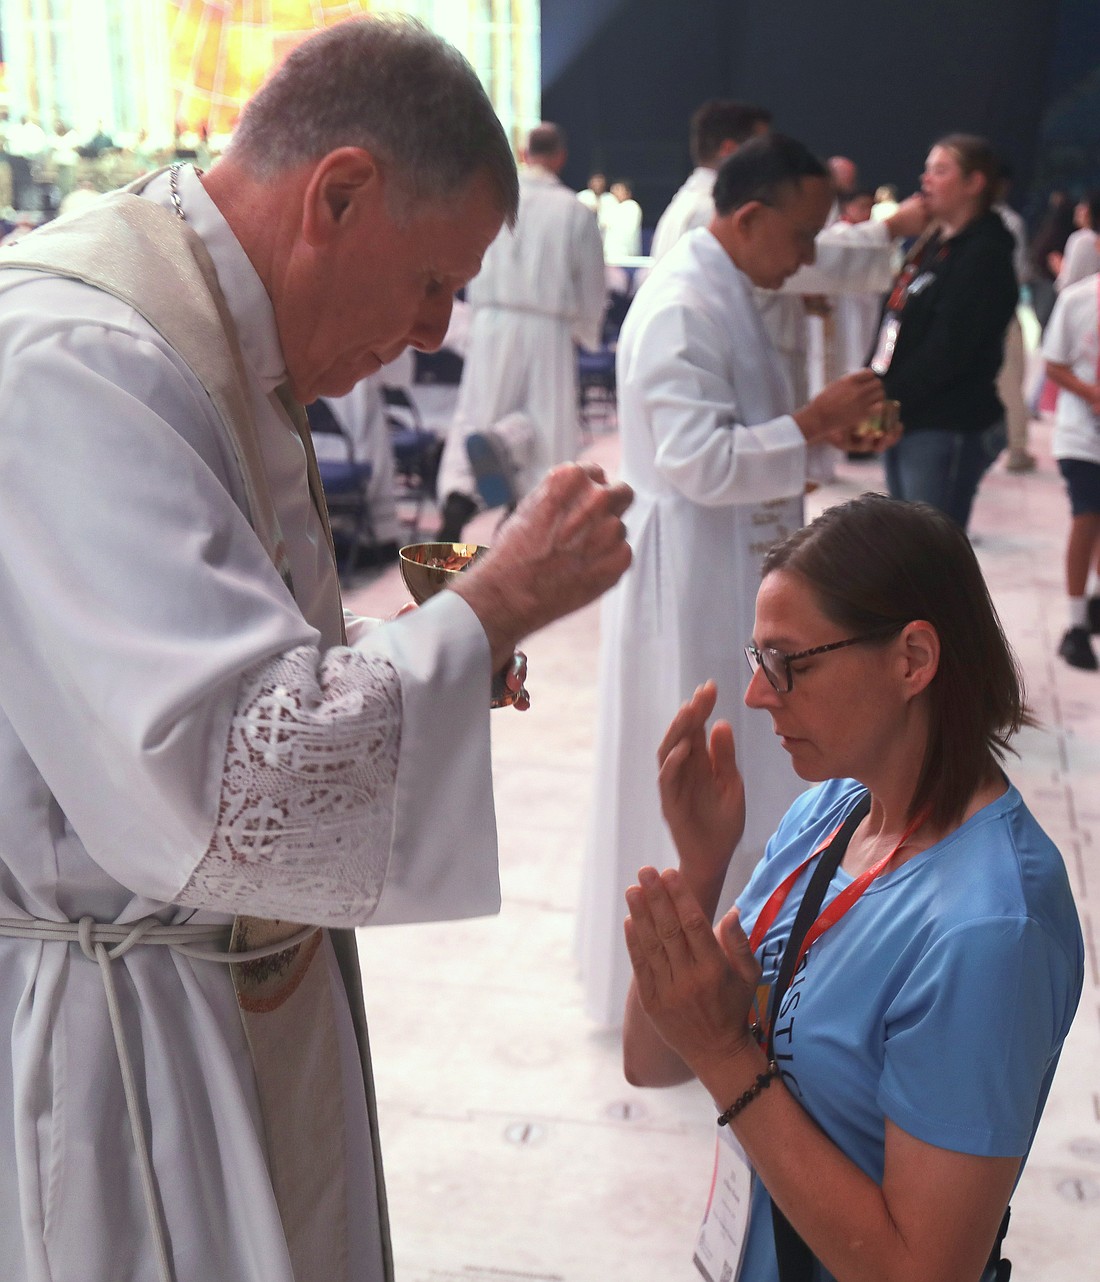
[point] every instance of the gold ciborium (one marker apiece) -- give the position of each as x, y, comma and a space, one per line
427, 568
871, 430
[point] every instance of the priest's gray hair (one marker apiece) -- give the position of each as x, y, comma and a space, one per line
391, 87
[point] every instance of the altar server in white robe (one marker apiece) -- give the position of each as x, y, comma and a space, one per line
715, 449
186, 736
362, 415
849, 260
718, 127
540, 291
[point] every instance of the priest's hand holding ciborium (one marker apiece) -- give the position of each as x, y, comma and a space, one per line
563, 547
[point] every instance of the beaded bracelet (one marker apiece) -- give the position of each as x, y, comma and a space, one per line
763, 1081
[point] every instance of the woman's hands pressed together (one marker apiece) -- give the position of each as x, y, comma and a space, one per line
694, 983
703, 800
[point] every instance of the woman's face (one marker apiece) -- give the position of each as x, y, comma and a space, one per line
951, 195
846, 710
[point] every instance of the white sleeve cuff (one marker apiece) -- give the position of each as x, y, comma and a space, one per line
444, 860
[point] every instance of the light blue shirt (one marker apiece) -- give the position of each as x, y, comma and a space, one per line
940, 1000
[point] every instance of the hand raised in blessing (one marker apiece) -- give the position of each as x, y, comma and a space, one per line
702, 794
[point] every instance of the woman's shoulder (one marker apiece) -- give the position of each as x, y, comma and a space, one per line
812, 816
1004, 865
987, 240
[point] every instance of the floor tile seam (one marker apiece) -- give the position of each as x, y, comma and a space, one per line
703, 1128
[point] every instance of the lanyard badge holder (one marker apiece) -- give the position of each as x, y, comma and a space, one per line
721, 1240
925, 246
795, 1260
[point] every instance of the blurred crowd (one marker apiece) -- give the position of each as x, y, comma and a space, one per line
46, 170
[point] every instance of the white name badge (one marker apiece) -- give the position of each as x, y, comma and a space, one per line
721, 1240
887, 341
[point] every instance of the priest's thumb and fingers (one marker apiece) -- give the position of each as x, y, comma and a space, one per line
696, 1001
702, 793
564, 546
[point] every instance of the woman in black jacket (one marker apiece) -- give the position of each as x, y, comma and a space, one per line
941, 339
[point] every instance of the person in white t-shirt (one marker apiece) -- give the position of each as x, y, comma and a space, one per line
1081, 256
600, 200
1071, 345
623, 238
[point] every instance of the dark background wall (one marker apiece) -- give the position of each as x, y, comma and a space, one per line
877, 82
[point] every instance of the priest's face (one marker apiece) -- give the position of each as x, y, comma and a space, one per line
779, 238
386, 283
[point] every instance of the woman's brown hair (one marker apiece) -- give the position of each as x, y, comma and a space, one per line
877, 561
976, 155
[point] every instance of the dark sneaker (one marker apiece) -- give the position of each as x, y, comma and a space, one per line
456, 511
1094, 614
1020, 461
1076, 649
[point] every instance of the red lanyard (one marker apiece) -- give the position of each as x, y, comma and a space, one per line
832, 912
919, 255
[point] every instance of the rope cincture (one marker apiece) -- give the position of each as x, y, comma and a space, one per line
94, 938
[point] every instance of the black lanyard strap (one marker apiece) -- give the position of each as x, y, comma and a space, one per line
794, 1257
810, 907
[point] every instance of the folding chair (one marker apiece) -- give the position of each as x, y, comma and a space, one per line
596, 389
345, 483
416, 450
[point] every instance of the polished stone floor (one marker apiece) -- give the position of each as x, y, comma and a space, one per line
514, 1148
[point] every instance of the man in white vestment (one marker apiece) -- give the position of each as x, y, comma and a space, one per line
855, 316
540, 291
717, 129
715, 448
849, 259
194, 738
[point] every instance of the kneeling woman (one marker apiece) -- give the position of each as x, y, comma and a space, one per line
884, 1059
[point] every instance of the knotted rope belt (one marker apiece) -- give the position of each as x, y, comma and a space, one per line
105, 943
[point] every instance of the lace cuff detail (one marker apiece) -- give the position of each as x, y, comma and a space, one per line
305, 820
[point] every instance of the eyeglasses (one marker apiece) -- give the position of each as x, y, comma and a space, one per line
777, 665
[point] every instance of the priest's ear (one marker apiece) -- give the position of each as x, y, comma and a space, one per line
745, 217
345, 184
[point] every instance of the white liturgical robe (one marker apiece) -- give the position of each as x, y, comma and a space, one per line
691, 207
718, 467
177, 729
540, 291
851, 259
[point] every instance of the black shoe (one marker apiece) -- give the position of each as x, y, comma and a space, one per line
457, 510
1094, 614
1076, 649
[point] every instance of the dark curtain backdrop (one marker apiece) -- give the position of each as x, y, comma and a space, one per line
877, 82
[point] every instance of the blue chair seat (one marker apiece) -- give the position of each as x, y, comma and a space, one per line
343, 478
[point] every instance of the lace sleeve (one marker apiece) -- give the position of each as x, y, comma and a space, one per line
307, 804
